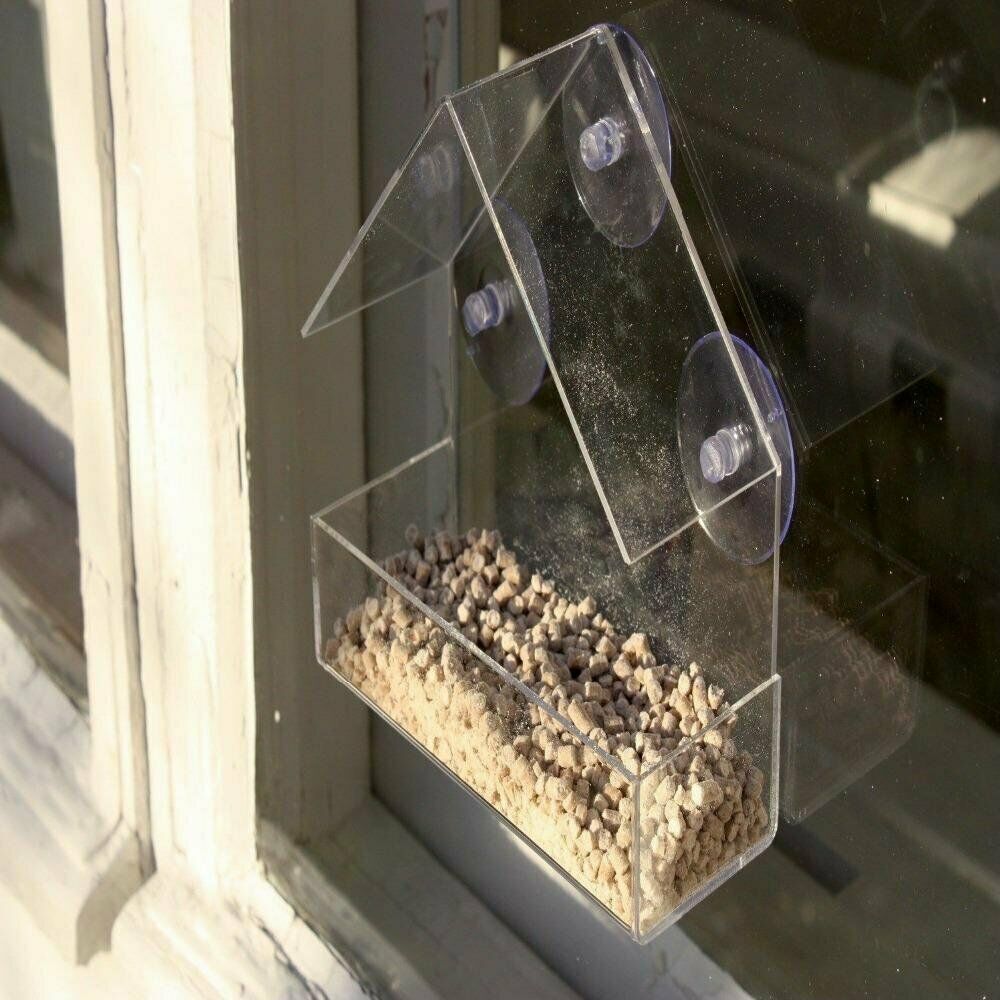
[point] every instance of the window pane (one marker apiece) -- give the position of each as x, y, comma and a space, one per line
34, 405
30, 252
40, 573
39, 557
883, 879
823, 135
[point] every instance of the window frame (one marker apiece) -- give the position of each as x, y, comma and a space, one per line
75, 855
144, 842
206, 921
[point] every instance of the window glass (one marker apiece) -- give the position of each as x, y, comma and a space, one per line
39, 556
30, 252
851, 161
844, 167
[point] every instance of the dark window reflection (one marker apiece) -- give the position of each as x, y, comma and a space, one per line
30, 251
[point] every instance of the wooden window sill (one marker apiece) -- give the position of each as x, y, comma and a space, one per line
69, 866
409, 926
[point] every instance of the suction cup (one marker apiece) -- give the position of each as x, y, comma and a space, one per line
498, 330
609, 158
722, 453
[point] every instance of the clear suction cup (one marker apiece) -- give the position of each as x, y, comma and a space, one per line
498, 330
609, 158
728, 470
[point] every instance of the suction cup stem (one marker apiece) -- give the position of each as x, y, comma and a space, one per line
727, 460
503, 319
435, 171
724, 452
616, 173
488, 307
602, 144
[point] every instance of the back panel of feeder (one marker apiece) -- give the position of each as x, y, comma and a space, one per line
615, 352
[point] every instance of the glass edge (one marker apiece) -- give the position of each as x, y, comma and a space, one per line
489, 197
523, 64
308, 327
381, 480
314, 565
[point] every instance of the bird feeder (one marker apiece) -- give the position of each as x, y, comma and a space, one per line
587, 475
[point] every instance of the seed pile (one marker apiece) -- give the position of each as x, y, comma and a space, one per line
574, 798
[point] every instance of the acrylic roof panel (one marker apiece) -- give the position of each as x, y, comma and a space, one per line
579, 250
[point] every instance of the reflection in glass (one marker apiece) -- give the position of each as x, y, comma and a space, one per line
30, 251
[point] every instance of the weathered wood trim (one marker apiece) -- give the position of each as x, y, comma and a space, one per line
479, 38
173, 939
169, 942
296, 120
171, 95
77, 877
40, 572
70, 866
82, 128
410, 927
74, 793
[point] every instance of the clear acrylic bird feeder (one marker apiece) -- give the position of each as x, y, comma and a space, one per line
548, 360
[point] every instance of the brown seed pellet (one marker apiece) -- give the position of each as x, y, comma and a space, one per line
698, 812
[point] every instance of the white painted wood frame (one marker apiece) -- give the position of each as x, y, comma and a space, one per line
207, 922
74, 809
